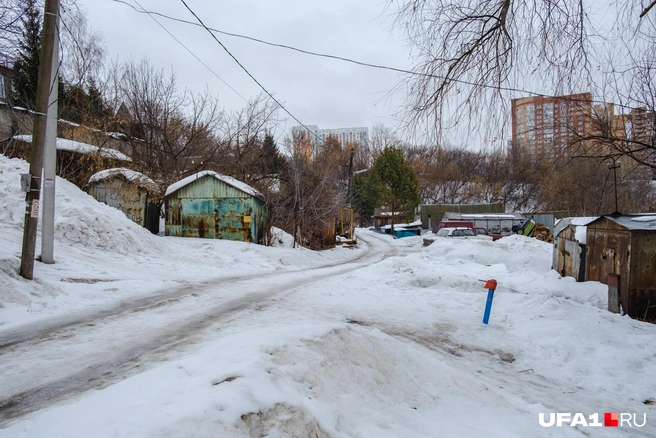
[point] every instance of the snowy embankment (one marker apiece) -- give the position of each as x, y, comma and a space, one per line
395, 349
102, 257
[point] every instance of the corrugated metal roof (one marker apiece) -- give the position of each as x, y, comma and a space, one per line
465, 216
634, 222
463, 208
226, 179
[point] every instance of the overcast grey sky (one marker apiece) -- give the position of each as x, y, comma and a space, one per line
318, 91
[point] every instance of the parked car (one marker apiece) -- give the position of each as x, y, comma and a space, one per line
461, 233
455, 233
482, 231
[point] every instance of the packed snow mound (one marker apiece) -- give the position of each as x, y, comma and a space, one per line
518, 253
281, 238
79, 218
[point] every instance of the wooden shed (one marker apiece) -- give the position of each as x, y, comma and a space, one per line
383, 217
569, 249
214, 206
132, 192
625, 246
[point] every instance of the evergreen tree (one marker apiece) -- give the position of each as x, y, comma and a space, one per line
361, 204
272, 158
27, 62
97, 104
393, 184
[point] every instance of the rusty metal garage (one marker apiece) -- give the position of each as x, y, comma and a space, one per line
215, 206
624, 247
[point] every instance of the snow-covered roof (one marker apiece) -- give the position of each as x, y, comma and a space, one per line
649, 218
128, 174
226, 179
64, 144
489, 215
400, 226
641, 221
578, 224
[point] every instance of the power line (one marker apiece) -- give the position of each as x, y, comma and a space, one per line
324, 55
187, 49
356, 62
246, 70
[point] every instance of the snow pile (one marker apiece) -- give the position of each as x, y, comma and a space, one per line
64, 144
79, 218
95, 243
515, 252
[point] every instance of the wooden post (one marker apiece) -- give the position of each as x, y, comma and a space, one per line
32, 197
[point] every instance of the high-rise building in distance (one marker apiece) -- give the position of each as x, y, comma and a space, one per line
544, 127
307, 137
549, 127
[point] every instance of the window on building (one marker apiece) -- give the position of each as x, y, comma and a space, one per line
2, 87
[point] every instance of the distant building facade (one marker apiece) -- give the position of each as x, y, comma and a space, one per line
549, 127
544, 127
308, 136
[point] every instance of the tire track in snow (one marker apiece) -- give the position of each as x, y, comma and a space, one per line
139, 353
44, 329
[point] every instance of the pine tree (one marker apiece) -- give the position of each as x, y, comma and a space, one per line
359, 201
272, 158
27, 62
393, 184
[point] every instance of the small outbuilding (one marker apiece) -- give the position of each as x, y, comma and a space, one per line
383, 217
132, 192
569, 250
623, 246
214, 206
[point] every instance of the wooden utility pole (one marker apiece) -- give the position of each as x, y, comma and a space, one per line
39, 138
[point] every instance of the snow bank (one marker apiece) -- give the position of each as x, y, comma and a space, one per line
79, 218
95, 243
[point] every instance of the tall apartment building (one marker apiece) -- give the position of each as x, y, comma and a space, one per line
642, 126
549, 127
545, 126
307, 139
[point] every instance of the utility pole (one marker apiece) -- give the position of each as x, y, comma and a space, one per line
38, 138
50, 162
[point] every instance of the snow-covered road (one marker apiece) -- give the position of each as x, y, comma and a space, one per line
134, 335
46, 362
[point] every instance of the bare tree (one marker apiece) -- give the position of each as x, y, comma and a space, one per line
83, 52
312, 187
381, 137
10, 27
242, 136
472, 56
172, 133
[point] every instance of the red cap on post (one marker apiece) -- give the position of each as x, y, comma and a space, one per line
491, 284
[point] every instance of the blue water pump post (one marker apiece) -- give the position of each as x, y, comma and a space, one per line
490, 285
